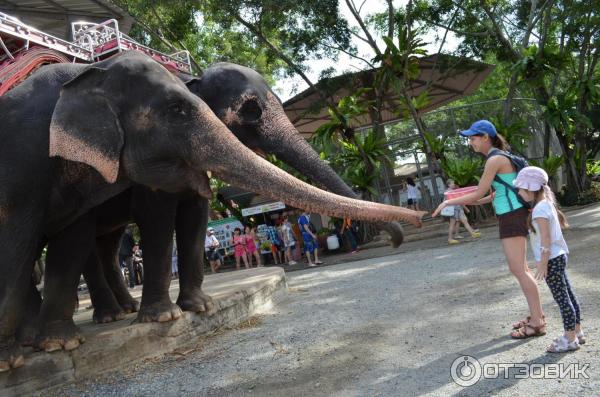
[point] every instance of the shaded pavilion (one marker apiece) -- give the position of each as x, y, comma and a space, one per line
446, 79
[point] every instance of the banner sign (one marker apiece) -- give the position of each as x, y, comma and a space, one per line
278, 205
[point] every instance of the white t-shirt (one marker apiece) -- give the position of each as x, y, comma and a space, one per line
412, 192
209, 241
558, 245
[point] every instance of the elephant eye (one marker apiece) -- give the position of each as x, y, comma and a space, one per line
178, 108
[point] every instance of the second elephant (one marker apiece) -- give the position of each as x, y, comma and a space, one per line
241, 98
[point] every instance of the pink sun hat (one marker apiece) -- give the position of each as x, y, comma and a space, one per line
531, 178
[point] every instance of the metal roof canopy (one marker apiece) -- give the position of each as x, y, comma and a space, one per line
448, 78
55, 16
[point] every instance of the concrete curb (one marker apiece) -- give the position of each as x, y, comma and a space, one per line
237, 296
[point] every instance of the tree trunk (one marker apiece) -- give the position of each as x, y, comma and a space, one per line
428, 152
572, 176
547, 138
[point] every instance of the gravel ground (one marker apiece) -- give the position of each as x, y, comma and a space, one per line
385, 327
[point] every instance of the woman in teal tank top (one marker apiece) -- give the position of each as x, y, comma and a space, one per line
505, 200
512, 219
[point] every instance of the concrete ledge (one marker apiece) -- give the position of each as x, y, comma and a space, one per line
237, 296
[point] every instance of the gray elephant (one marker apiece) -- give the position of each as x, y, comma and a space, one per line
123, 120
241, 98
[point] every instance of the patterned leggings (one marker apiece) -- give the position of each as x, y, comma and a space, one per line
562, 292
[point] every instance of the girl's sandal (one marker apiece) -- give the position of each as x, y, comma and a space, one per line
521, 333
580, 338
563, 345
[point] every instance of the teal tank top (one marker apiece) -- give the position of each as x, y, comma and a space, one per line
505, 199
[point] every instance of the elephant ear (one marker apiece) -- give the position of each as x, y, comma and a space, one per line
84, 126
192, 83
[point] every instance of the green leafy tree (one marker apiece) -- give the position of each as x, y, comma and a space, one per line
552, 49
515, 132
464, 171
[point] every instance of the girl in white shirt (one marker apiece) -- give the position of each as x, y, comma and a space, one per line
550, 250
412, 194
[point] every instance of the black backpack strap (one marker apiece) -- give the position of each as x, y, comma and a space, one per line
513, 189
507, 186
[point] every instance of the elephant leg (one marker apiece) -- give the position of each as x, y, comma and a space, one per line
154, 213
106, 307
108, 250
28, 327
66, 257
190, 225
20, 243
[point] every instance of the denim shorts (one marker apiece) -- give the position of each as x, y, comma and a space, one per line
213, 255
310, 244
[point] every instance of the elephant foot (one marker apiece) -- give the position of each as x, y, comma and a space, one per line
102, 316
11, 356
130, 306
59, 335
197, 302
107, 310
158, 312
126, 301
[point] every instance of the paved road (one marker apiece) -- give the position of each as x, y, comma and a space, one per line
386, 327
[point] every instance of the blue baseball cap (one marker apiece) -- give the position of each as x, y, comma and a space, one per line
480, 127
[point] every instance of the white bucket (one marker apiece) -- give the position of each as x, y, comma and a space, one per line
333, 243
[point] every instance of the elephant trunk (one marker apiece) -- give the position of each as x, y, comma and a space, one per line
289, 146
234, 163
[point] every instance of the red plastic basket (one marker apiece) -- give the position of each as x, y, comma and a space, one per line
459, 192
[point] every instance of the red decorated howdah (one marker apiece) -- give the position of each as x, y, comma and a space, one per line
23, 48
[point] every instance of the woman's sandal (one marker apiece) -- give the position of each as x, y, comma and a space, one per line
522, 323
521, 333
563, 345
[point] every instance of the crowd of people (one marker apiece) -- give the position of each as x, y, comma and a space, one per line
248, 246
252, 248
278, 241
